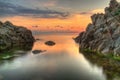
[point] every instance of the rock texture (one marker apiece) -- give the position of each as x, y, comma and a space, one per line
103, 34
11, 35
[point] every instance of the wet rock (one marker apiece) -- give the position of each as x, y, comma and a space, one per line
50, 43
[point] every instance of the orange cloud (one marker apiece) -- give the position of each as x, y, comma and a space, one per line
76, 22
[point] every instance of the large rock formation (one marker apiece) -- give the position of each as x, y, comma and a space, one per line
11, 35
103, 34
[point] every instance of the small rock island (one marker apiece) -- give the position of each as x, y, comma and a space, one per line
14, 36
50, 43
103, 34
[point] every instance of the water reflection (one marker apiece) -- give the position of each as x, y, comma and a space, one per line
60, 62
111, 67
15, 51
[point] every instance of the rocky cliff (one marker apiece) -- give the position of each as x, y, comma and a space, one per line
11, 35
103, 34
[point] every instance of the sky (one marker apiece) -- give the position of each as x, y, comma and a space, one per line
51, 15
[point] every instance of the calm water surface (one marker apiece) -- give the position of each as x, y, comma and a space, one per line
60, 62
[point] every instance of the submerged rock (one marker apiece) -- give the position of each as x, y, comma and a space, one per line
50, 43
15, 36
103, 34
38, 51
37, 39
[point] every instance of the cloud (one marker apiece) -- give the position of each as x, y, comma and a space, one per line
82, 5
92, 12
85, 13
50, 3
8, 9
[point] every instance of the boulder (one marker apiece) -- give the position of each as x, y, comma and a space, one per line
11, 35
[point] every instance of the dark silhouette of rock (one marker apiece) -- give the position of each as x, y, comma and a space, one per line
103, 34
38, 39
38, 51
50, 43
15, 36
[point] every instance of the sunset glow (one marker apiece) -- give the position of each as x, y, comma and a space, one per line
76, 22
56, 18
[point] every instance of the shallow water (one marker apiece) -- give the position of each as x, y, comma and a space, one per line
60, 62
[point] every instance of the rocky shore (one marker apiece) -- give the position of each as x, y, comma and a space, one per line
14, 36
103, 34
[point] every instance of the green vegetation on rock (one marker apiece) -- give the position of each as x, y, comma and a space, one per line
7, 55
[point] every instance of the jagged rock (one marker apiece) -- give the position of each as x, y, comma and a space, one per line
117, 51
103, 34
113, 4
78, 39
11, 35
